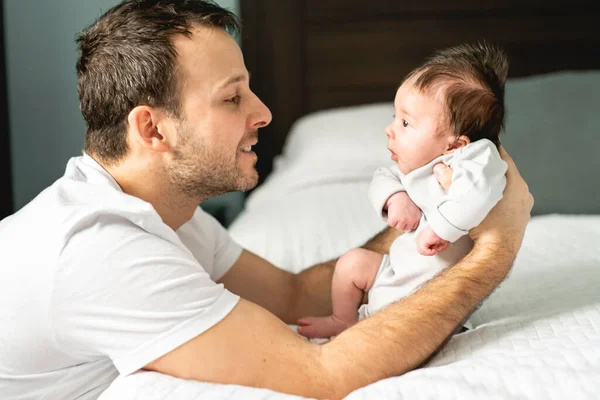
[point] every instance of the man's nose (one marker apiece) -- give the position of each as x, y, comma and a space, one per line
262, 117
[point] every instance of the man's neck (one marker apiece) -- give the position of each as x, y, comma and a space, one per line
150, 184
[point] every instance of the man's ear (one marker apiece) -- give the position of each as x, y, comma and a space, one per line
456, 143
144, 129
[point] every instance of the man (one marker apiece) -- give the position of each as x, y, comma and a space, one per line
114, 268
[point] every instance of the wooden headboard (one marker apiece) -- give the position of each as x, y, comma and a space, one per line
308, 55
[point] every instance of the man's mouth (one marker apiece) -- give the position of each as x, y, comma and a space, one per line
248, 149
251, 141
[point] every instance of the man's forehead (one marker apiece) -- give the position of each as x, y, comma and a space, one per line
210, 54
204, 40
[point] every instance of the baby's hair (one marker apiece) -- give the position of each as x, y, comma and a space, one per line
472, 78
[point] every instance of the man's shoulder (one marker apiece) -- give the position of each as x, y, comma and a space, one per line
74, 211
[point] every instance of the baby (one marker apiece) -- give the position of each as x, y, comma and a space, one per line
450, 110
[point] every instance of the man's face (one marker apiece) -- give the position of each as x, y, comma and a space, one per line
220, 117
417, 135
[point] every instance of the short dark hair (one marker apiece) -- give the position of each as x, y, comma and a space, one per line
127, 58
472, 77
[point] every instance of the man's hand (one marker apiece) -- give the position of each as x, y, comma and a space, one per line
505, 224
443, 173
402, 213
429, 243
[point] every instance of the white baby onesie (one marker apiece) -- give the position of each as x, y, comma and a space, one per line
477, 184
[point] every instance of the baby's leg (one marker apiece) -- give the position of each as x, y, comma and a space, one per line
354, 274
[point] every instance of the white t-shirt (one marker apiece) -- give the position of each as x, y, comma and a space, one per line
94, 284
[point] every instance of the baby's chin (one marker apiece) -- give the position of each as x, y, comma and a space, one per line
404, 168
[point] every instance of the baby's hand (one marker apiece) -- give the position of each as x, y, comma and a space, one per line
429, 243
402, 213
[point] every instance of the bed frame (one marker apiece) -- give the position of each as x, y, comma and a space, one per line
309, 55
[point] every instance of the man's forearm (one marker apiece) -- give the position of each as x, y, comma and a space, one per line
409, 331
381, 242
312, 292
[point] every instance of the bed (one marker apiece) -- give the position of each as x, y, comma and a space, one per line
328, 70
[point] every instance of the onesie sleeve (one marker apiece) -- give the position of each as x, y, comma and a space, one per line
385, 182
478, 181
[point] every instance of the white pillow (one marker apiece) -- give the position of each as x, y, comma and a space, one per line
338, 145
339, 134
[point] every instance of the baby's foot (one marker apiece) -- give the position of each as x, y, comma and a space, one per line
321, 327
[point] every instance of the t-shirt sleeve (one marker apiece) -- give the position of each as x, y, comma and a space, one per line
132, 296
210, 244
226, 250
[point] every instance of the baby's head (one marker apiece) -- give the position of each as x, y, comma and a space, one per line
455, 98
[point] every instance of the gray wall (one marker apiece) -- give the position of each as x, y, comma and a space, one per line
46, 127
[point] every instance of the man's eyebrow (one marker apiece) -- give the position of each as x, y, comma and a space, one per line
234, 79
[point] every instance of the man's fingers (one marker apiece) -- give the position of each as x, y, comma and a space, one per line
512, 168
512, 173
530, 201
443, 173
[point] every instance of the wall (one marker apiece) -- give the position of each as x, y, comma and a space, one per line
46, 127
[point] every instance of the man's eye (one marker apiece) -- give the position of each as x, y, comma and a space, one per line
234, 100
404, 123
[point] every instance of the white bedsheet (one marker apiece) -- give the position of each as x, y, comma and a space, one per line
536, 337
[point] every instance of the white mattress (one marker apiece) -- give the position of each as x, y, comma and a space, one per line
536, 337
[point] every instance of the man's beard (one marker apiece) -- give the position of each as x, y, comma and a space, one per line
196, 171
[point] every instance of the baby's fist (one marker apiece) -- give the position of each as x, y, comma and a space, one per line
402, 213
429, 243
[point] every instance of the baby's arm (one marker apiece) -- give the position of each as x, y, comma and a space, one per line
390, 200
385, 183
477, 185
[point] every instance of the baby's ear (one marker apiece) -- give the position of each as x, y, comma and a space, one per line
456, 143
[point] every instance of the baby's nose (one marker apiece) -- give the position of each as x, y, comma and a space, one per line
389, 132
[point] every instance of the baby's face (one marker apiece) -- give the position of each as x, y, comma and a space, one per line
418, 133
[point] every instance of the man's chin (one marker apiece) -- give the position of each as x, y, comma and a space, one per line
248, 181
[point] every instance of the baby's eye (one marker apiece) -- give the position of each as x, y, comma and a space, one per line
404, 123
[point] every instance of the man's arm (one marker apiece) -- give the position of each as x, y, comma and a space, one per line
255, 279
313, 285
252, 347
287, 295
